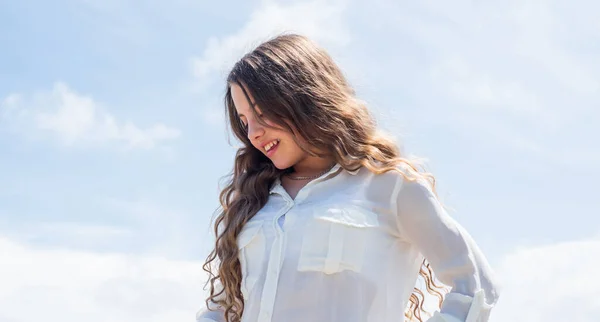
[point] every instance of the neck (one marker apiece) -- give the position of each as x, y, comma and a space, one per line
312, 166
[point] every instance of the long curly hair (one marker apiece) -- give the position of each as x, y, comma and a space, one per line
299, 87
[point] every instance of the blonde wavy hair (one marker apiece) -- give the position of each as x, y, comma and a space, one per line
299, 87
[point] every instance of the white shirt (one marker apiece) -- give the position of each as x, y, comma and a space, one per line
349, 248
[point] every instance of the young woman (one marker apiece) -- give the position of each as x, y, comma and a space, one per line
324, 220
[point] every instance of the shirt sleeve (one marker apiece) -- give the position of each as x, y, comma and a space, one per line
454, 256
215, 314
209, 316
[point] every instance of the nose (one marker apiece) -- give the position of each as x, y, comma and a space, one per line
255, 130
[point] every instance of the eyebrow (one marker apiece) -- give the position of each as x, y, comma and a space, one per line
242, 115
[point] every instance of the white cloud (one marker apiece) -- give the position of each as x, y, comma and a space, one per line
556, 282
136, 225
160, 228
491, 47
62, 285
523, 74
83, 236
457, 78
320, 20
542, 26
77, 119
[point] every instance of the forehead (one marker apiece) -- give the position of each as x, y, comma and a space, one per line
241, 102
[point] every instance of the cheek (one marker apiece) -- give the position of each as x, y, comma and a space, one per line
293, 148
271, 123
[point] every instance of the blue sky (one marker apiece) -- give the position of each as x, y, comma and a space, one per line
112, 140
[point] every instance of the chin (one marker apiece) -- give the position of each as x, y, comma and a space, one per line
282, 164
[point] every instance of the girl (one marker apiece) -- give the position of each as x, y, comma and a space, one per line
324, 220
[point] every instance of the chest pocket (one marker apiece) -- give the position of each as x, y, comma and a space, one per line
251, 245
336, 239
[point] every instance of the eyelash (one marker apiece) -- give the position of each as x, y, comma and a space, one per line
245, 126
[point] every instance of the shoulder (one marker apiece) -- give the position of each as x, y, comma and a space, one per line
400, 174
389, 185
403, 182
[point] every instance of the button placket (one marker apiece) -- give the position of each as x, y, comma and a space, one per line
273, 269
276, 257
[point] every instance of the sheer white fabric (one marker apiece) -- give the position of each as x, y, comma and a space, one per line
349, 248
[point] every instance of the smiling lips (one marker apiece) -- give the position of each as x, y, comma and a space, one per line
271, 145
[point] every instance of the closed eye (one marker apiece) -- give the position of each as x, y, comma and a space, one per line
244, 124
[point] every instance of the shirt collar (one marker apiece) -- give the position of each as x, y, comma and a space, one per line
338, 166
277, 188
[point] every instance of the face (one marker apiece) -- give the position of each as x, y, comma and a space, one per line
274, 142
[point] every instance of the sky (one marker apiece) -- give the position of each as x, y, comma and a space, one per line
113, 145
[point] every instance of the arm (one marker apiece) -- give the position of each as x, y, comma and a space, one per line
454, 256
205, 315
215, 314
